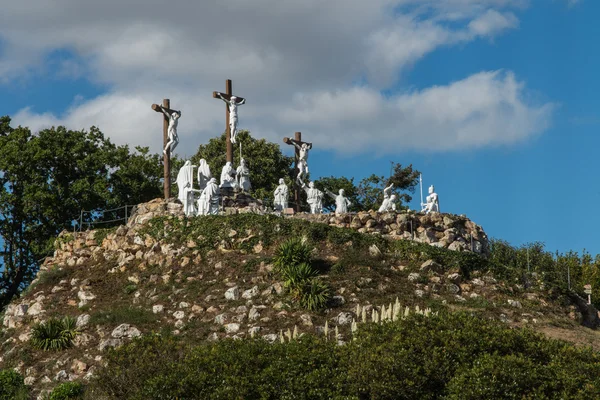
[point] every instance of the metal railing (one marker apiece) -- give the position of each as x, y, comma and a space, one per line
106, 218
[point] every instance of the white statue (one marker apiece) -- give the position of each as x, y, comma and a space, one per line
314, 198
243, 176
389, 200
208, 203
302, 160
433, 203
341, 202
204, 174
228, 176
172, 130
185, 183
281, 196
233, 113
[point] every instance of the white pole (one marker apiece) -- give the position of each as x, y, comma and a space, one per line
240, 152
421, 183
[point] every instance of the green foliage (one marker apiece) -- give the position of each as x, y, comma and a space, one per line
334, 184
445, 356
101, 234
67, 238
314, 294
47, 178
295, 275
292, 262
53, 275
67, 391
12, 386
266, 162
291, 253
122, 314
130, 288
54, 334
370, 189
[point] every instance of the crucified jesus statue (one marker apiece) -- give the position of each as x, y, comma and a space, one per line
233, 104
302, 159
172, 130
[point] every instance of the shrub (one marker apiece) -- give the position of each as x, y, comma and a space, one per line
314, 295
12, 386
290, 253
54, 334
67, 391
445, 356
297, 275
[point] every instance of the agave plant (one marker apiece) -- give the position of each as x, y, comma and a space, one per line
297, 275
54, 334
290, 253
314, 295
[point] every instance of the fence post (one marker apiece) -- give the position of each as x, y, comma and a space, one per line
80, 220
126, 214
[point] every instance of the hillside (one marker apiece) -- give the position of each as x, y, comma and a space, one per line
214, 277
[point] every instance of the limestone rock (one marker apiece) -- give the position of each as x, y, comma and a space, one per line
83, 320
232, 293
232, 328
61, 376
254, 314
35, 309
344, 318
250, 293
125, 331
431, 266
158, 308
105, 344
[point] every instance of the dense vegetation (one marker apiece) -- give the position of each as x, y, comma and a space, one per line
47, 178
453, 356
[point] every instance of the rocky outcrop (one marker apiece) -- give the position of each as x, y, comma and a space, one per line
442, 230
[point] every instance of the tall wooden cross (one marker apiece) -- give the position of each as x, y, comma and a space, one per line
227, 96
167, 154
298, 140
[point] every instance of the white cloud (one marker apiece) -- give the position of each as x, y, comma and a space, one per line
297, 63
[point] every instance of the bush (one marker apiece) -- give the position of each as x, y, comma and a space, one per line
290, 253
54, 334
314, 295
297, 275
12, 385
454, 356
67, 391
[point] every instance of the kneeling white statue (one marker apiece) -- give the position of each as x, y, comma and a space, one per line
433, 203
389, 200
209, 199
228, 176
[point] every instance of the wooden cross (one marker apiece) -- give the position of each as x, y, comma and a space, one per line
239, 100
167, 154
298, 140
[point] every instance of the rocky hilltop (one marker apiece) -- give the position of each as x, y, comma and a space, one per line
213, 277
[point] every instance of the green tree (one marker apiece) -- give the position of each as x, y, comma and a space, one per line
266, 162
370, 189
48, 178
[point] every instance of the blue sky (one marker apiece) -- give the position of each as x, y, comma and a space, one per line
494, 101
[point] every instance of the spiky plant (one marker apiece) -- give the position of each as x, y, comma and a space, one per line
290, 253
314, 295
54, 334
297, 275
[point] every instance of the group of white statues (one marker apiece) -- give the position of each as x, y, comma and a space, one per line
209, 192
314, 197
